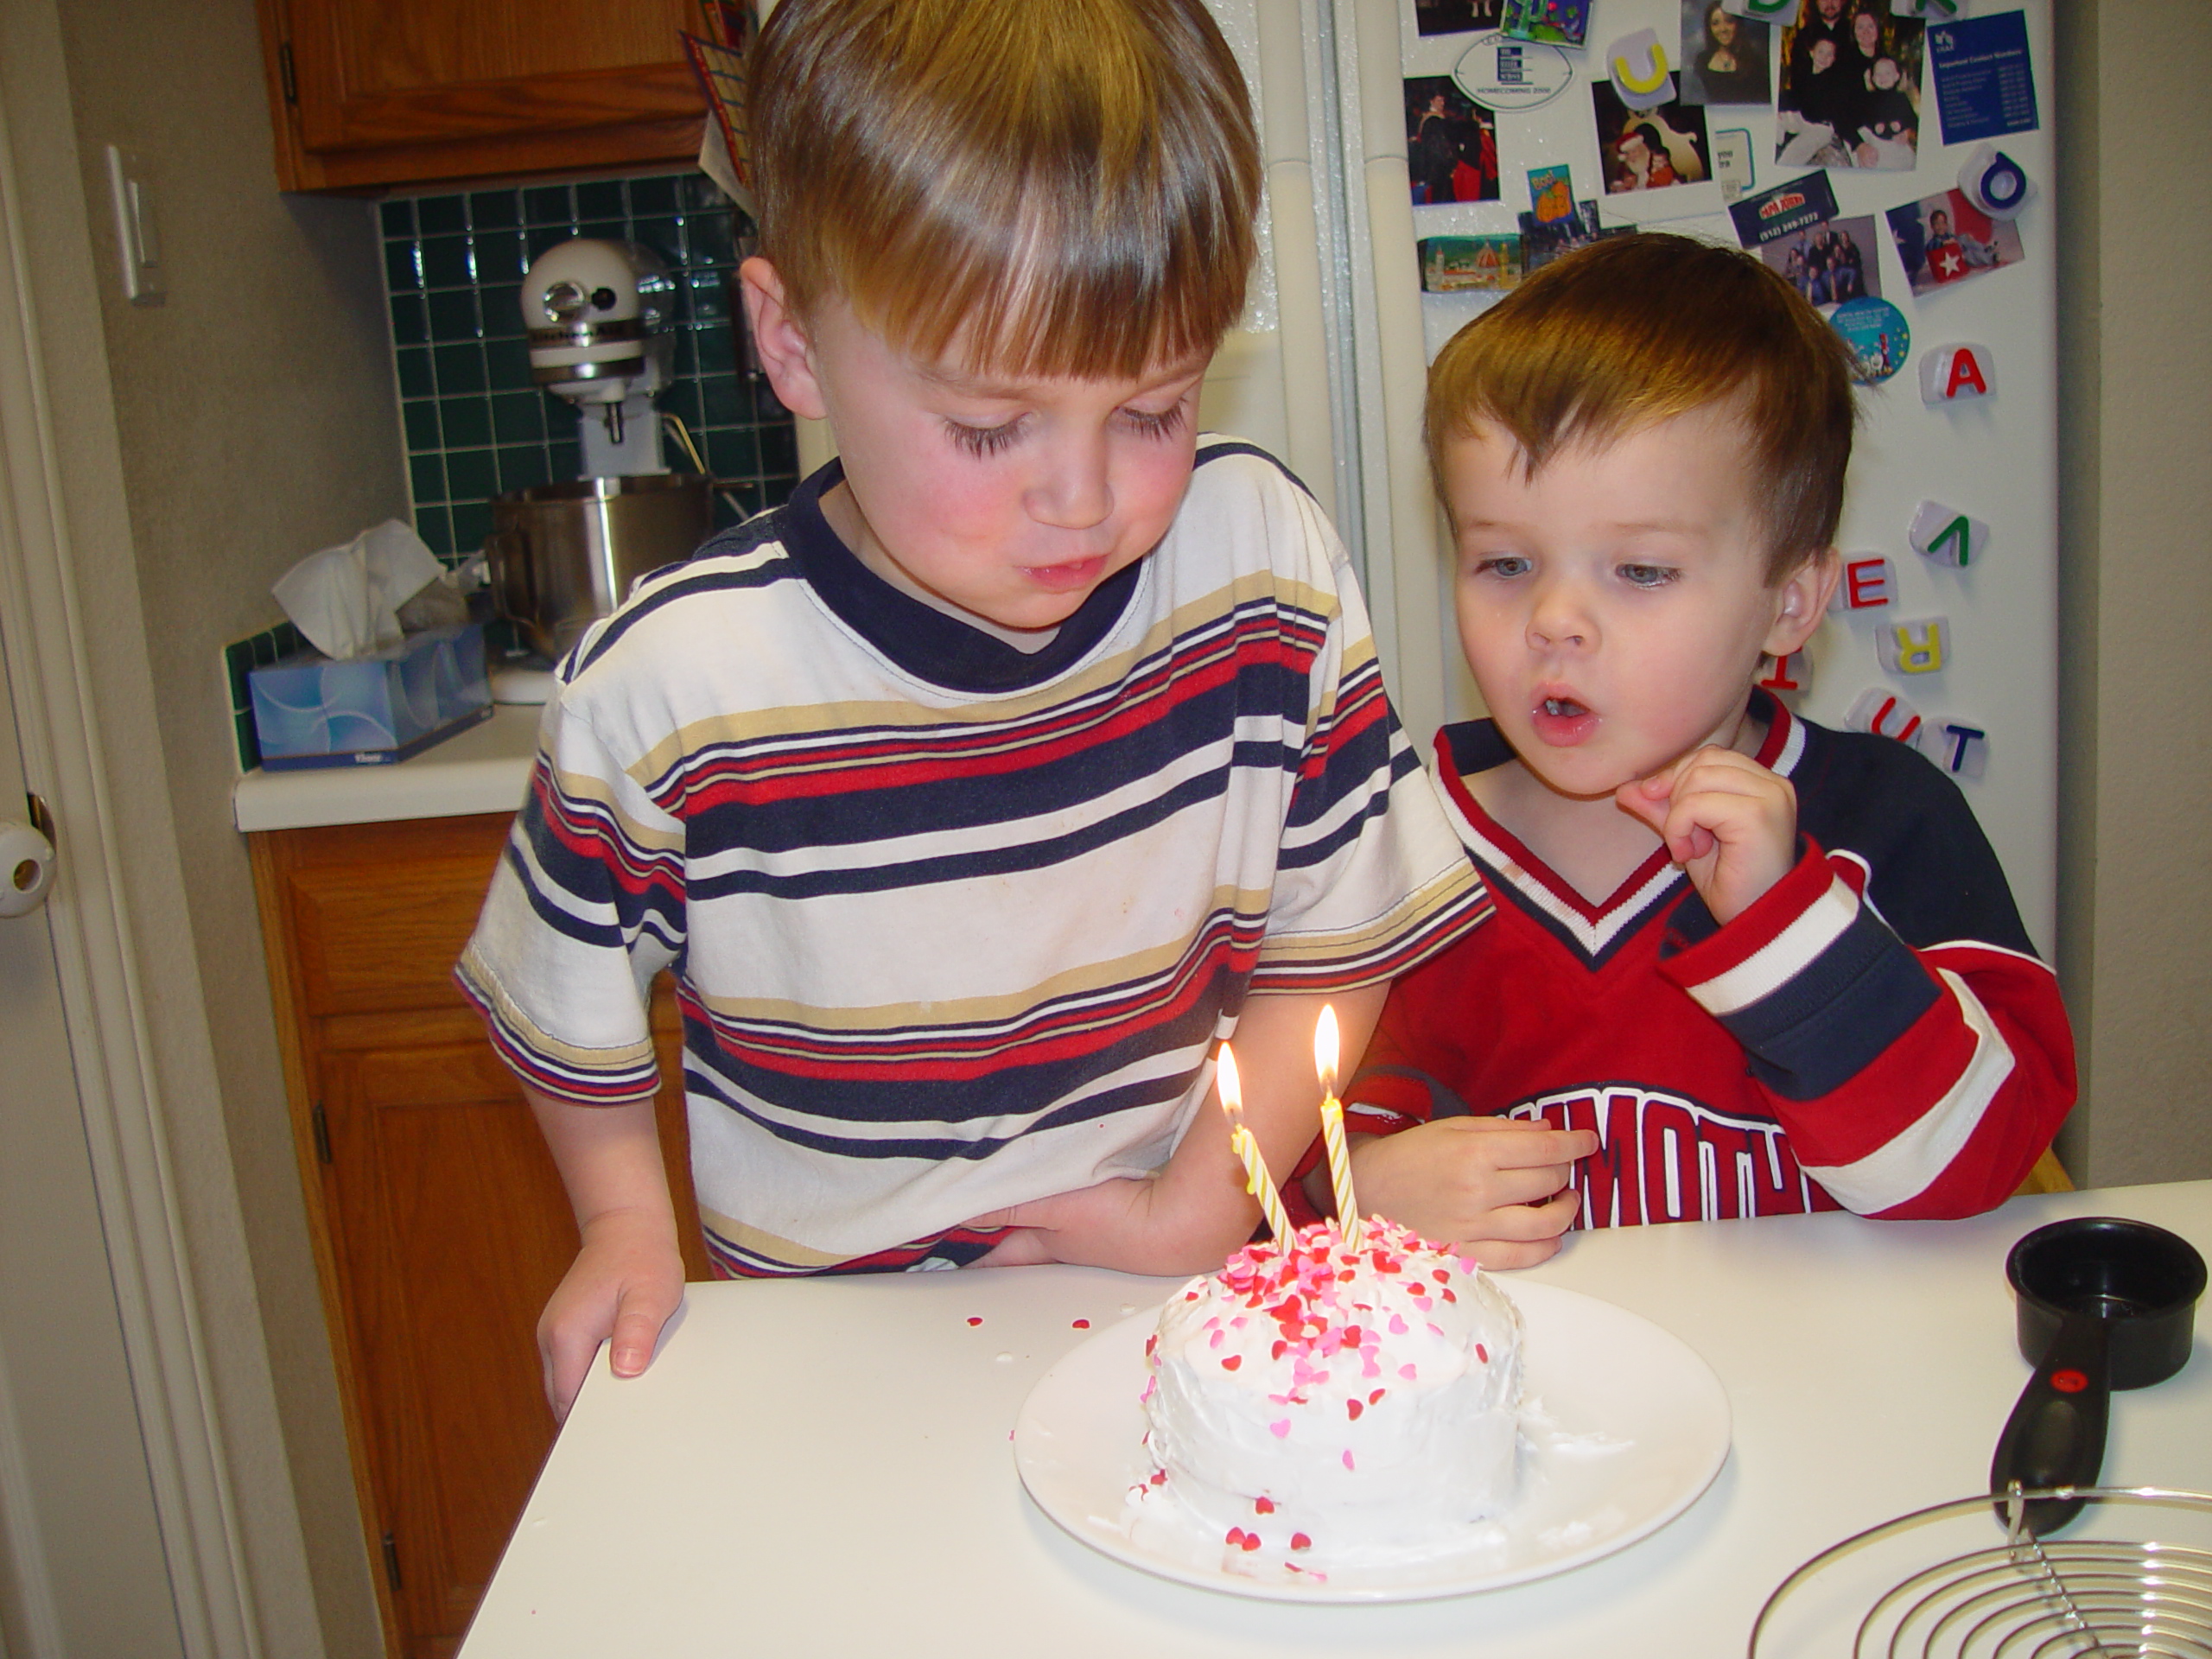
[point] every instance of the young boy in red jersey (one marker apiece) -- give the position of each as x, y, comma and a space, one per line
1741, 964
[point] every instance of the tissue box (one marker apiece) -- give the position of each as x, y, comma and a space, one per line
310, 711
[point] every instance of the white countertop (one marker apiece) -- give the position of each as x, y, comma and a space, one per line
484, 769
822, 1466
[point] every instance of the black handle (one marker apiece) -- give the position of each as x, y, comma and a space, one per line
2056, 1435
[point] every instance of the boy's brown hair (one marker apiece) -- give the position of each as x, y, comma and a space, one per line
1641, 329
1062, 189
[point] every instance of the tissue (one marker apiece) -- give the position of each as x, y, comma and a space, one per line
345, 599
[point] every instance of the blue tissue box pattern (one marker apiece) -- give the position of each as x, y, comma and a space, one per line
310, 711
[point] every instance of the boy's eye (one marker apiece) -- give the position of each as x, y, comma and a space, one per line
983, 440
1647, 575
1159, 423
1501, 564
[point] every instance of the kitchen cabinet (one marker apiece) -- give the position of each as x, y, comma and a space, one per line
438, 1220
368, 94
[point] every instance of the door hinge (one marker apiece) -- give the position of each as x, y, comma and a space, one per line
321, 1133
392, 1562
285, 71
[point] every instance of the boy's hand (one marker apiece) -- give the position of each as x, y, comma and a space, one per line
1495, 1187
625, 1283
628, 1277
1727, 820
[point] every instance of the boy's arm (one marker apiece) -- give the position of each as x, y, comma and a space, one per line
1190, 1215
628, 1277
1914, 1084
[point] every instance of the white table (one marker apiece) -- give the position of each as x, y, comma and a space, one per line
822, 1466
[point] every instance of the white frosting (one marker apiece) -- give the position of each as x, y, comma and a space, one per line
1344, 1408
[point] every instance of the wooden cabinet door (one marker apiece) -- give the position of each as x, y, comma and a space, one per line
394, 92
450, 1231
438, 1217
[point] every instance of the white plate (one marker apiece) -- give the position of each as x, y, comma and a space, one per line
1623, 1425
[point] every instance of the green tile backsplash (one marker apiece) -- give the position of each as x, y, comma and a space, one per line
473, 423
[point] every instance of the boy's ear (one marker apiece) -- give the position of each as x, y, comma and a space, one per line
1802, 599
780, 340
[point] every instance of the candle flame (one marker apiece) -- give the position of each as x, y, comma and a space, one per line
1324, 1048
1232, 1090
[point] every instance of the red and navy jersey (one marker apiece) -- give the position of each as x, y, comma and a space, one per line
1875, 1033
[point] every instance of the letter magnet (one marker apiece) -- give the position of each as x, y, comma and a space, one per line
1957, 374
1961, 749
1994, 182
1947, 536
1922, 646
1869, 581
1637, 64
1886, 714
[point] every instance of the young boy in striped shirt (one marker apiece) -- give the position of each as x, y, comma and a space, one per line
1036, 746
1748, 966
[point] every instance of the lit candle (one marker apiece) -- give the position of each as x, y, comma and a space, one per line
1332, 1126
1257, 1181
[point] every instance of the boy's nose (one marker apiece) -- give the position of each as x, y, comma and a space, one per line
1558, 617
1074, 489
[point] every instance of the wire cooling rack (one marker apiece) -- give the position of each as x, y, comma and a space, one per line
1967, 1580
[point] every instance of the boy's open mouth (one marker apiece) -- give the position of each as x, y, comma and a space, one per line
1562, 722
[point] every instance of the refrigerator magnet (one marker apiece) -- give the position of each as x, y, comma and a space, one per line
1922, 645
1869, 582
1878, 334
1962, 747
1636, 64
1946, 239
1770, 11
1947, 536
1994, 182
1957, 374
1551, 193
1985, 86
1500, 73
1790, 673
1732, 161
1883, 713
1551, 23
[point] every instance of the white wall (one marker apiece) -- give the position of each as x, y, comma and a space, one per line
2135, 935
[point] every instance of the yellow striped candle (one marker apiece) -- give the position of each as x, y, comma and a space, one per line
1257, 1181
1333, 1127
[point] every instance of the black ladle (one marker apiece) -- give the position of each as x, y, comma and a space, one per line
2103, 1304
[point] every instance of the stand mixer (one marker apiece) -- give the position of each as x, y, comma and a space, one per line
598, 314
563, 555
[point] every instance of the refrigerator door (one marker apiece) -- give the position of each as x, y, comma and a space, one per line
1971, 647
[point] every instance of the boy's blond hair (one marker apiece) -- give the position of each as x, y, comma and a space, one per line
1641, 329
1045, 189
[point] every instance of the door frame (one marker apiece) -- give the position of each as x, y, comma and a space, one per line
51, 675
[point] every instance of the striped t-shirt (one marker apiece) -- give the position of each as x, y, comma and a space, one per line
955, 926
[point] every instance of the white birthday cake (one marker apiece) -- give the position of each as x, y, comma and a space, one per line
1318, 1406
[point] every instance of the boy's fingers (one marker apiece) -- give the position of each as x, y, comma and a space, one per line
1521, 1144
639, 1317
568, 1358
1527, 1222
1502, 1255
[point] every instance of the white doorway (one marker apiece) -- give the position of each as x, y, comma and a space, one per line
82, 1569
